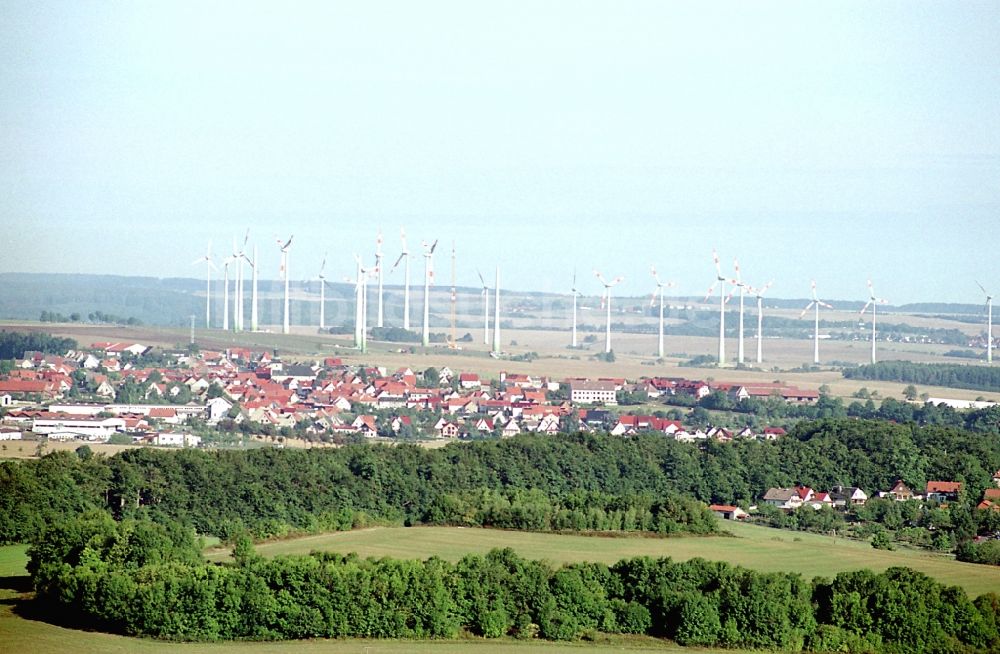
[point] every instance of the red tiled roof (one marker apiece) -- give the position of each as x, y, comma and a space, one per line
944, 486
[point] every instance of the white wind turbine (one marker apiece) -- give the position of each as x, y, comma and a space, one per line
207, 260
361, 307
989, 323
322, 294
738, 283
759, 292
284, 273
253, 290
722, 306
872, 300
652, 300
428, 279
378, 267
240, 257
357, 302
404, 256
234, 258
816, 304
496, 314
607, 300
576, 294
225, 292
486, 309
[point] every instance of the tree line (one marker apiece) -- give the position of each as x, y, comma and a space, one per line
13, 345
148, 579
577, 481
979, 378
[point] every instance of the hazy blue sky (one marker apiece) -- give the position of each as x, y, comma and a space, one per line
838, 141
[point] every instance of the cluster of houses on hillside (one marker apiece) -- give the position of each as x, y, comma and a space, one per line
328, 397
845, 497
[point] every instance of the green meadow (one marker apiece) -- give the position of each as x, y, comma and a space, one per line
760, 548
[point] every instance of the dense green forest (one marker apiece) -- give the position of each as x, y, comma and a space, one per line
144, 578
979, 378
530, 482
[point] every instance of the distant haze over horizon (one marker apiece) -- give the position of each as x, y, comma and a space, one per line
833, 142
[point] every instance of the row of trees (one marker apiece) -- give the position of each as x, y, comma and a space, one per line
13, 345
141, 578
775, 410
95, 316
980, 378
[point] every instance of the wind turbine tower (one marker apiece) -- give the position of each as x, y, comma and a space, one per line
225, 292
378, 268
236, 260
721, 282
405, 256
738, 283
496, 314
364, 273
240, 306
657, 291
322, 294
873, 301
815, 304
207, 260
428, 277
989, 324
759, 292
486, 309
607, 300
284, 273
358, 301
253, 291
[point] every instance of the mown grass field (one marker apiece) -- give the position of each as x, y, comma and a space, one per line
755, 547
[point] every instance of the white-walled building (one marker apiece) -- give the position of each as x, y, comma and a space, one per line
593, 392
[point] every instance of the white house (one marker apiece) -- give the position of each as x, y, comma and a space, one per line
217, 408
173, 439
591, 392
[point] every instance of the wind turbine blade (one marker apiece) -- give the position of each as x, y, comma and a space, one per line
652, 298
808, 306
982, 289
711, 289
397, 261
199, 260
483, 281
617, 280
865, 308
434, 245
825, 305
715, 258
